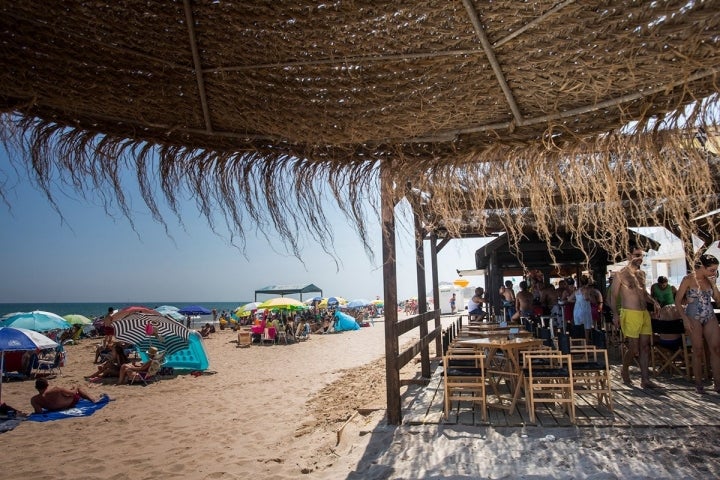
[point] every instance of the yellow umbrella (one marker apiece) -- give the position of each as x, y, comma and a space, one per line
332, 301
281, 303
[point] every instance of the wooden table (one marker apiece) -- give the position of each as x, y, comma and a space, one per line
506, 366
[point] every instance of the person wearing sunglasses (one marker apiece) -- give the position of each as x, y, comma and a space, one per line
629, 303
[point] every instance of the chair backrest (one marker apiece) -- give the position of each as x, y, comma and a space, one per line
154, 367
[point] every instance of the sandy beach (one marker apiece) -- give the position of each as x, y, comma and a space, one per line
275, 412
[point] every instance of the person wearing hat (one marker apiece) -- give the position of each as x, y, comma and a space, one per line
130, 369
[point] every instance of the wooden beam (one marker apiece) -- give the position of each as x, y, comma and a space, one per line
436, 289
490, 54
533, 23
198, 65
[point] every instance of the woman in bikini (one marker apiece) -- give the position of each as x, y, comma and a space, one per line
694, 303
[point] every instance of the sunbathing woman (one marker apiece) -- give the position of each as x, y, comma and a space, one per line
130, 369
111, 367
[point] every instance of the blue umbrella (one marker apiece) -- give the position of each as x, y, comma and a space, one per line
359, 303
194, 310
14, 339
36, 320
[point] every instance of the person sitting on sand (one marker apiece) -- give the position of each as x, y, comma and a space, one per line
111, 366
56, 398
205, 331
131, 369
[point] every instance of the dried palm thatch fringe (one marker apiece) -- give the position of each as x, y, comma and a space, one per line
593, 189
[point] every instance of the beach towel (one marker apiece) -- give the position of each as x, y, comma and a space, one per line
84, 408
7, 424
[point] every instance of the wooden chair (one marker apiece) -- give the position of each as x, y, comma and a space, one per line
591, 374
548, 379
464, 379
244, 338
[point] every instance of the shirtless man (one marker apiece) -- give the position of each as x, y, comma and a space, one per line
549, 298
56, 398
628, 293
524, 301
507, 295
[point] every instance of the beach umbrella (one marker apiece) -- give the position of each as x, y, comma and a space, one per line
378, 303
75, 319
170, 311
122, 313
36, 320
247, 309
281, 303
167, 308
152, 329
332, 302
358, 303
14, 339
194, 310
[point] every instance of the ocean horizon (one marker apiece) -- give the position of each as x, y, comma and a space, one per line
97, 309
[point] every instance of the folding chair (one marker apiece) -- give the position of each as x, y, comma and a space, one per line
152, 372
548, 379
464, 379
591, 374
244, 338
51, 366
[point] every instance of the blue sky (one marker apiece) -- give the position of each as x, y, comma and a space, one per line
93, 256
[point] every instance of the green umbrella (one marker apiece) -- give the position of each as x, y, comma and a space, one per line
75, 319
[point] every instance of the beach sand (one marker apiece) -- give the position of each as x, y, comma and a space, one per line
274, 412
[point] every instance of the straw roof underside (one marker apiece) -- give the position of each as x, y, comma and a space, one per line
260, 107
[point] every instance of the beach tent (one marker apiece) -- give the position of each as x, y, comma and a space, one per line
345, 322
283, 290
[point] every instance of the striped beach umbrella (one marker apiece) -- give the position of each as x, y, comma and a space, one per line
147, 329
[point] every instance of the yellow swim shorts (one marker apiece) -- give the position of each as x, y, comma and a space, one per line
634, 323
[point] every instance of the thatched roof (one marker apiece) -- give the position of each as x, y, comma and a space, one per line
256, 106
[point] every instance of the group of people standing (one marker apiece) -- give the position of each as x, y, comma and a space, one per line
630, 307
693, 301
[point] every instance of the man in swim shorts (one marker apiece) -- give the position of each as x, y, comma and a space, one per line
629, 295
56, 398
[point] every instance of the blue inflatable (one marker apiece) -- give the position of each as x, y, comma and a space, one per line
193, 357
345, 322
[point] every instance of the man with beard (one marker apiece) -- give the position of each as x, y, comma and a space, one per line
629, 295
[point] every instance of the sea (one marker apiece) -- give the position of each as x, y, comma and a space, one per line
98, 309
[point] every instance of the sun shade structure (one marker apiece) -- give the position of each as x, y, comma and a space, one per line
559, 117
283, 290
258, 107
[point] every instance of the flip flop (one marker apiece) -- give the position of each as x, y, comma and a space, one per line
650, 386
700, 389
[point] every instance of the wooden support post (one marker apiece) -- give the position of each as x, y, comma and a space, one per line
436, 290
422, 292
392, 372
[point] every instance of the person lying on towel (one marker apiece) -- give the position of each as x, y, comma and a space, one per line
54, 399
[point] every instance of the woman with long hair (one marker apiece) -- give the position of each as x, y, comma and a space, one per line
694, 303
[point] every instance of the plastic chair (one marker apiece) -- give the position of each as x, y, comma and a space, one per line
269, 336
